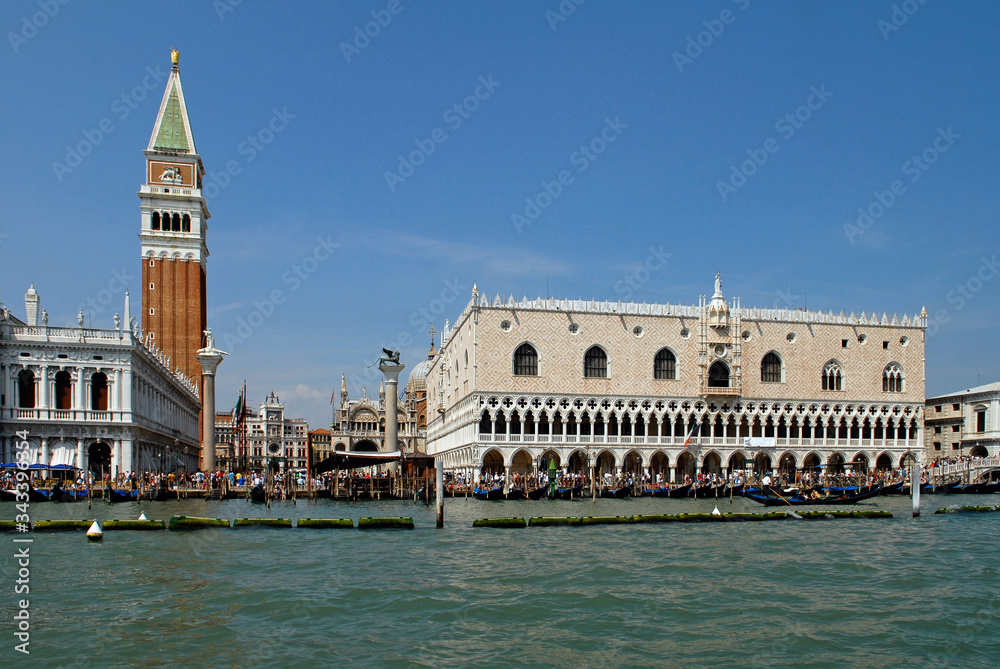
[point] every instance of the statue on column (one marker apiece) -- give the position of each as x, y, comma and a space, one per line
79, 318
45, 318
209, 339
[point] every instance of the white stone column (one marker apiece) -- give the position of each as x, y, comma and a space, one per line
114, 392
128, 455
78, 397
79, 453
209, 358
391, 372
116, 457
43, 388
126, 390
46, 456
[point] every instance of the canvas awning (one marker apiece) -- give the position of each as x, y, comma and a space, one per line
355, 460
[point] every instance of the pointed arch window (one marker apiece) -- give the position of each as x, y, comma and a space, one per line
718, 375
525, 360
595, 363
770, 368
832, 376
665, 365
892, 378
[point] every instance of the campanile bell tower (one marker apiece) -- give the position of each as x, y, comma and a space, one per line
174, 222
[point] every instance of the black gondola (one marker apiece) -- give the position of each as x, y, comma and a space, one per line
57, 494
489, 494
258, 495
616, 493
515, 494
772, 498
537, 493
681, 491
117, 496
569, 493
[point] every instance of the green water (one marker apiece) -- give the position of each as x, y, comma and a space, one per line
844, 593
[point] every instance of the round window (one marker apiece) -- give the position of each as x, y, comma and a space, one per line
862, 338
685, 333
746, 335
720, 351
904, 340
574, 328
637, 331
505, 326
790, 337
273, 448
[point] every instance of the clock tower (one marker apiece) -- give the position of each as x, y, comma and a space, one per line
174, 222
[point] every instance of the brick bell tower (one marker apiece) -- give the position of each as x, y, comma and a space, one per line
174, 222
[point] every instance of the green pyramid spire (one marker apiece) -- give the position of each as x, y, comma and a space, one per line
172, 135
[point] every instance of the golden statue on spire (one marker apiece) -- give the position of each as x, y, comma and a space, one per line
175, 57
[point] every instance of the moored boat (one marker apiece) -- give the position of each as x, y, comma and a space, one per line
770, 497
489, 494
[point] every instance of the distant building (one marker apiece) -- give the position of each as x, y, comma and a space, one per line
966, 422
359, 425
94, 398
320, 445
275, 441
517, 383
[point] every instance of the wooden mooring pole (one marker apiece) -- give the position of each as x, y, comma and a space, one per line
439, 494
915, 486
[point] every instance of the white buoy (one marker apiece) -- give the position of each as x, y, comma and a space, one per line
142, 516
716, 512
95, 533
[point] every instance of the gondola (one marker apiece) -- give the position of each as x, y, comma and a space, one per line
705, 491
515, 494
772, 498
616, 493
681, 491
489, 494
660, 492
57, 494
537, 493
7, 495
569, 493
732, 491
258, 495
930, 489
117, 496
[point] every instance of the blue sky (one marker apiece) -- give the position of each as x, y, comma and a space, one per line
600, 138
